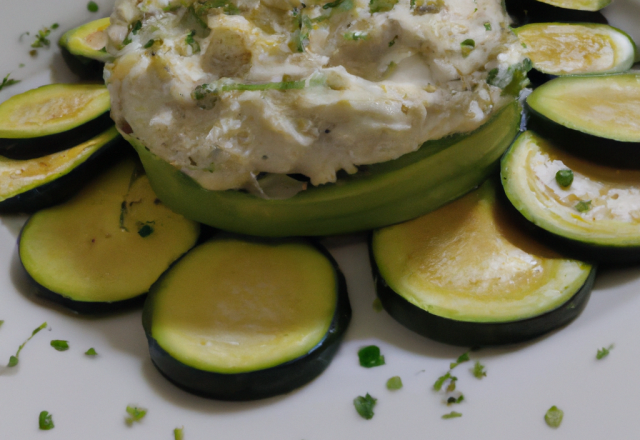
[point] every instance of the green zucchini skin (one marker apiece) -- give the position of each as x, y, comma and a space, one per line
30, 148
435, 174
80, 55
62, 188
532, 11
260, 384
473, 334
602, 150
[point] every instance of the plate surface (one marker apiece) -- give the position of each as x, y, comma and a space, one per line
88, 396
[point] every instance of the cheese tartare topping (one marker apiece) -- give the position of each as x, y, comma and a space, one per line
228, 89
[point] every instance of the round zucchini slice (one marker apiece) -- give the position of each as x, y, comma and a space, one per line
242, 319
467, 275
595, 218
595, 117
571, 49
105, 247
383, 194
83, 48
580, 5
52, 118
29, 185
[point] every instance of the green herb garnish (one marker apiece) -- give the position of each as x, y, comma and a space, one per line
467, 47
452, 384
45, 421
441, 380
355, 36
92, 6
452, 415
364, 406
392, 42
511, 80
149, 43
60, 345
42, 38
133, 30
487, 26
583, 205
332, 4
6, 82
370, 356
564, 177
13, 360
195, 47
1, 322
478, 370
604, 352
381, 5
135, 414
205, 90
394, 383
145, 231
464, 357
451, 400
178, 433
553, 417
91, 352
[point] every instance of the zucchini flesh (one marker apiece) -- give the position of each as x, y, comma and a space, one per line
52, 109
110, 243
608, 231
87, 41
468, 269
28, 185
569, 49
438, 172
572, 110
244, 319
533, 11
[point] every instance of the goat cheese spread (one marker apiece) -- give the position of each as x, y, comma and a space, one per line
226, 90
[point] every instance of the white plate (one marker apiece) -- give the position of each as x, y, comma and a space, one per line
88, 396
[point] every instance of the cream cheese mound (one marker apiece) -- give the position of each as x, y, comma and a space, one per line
227, 89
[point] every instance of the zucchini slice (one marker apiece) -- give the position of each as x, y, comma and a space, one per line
385, 193
52, 118
467, 275
580, 5
534, 11
592, 116
570, 49
29, 185
242, 319
106, 246
596, 217
83, 48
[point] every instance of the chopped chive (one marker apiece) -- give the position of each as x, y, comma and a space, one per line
554, 416
45, 421
394, 383
370, 356
6, 82
564, 177
60, 345
13, 360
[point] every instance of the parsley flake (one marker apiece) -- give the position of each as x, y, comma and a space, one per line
92, 6
42, 38
195, 47
145, 231
441, 380
91, 352
452, 415
564, 177
604, 352
6, 82
178, 433
467, 47
149, 43
356, 36
381, 5
394, 383
583, 205
370, 356
364, 406
553, 417
60, 345
487, 26
135, 414
45, 421
478, 370
13, 360
464, 357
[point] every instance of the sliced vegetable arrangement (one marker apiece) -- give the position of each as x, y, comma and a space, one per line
83, 48
244, 319
106, 246
467, 275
